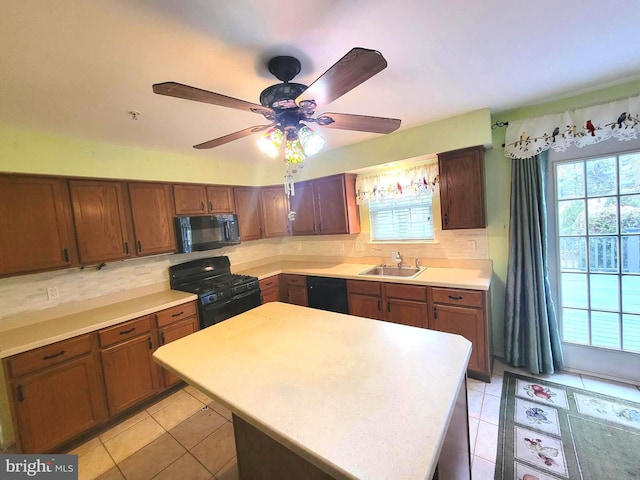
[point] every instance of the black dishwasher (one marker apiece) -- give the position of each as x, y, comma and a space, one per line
327, 294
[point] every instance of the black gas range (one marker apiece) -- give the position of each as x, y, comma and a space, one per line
221, 294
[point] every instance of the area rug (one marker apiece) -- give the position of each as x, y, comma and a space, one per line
550, 431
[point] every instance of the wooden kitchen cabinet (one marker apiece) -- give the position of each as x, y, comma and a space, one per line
102, 220
174, 323
325, 206
55, 392
464, 312
270, 289
192, 199
275, 210
462, 197
393, 302
247, 203
152, 218
31, 245
365, 299
294, 289
130, 375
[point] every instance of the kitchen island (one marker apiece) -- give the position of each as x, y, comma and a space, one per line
321, 395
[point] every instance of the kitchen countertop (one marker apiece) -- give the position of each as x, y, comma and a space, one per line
26, 337
470, 278
358, 398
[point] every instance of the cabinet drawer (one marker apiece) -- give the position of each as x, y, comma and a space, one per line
295, 279
173, 314
50, 355
364, 287
123, 331
270, 282
454, 296
406, 292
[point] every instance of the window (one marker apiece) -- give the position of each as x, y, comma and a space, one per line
401, 218
598, 235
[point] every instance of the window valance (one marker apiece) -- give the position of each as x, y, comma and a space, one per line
398, 183
580, 127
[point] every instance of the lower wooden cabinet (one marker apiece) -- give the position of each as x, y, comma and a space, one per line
174, 323
130, 374
464, 312
393, 302
270, 289
294, 289
56, 393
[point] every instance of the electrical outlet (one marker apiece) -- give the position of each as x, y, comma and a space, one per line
53, 293
393, 255
471, 245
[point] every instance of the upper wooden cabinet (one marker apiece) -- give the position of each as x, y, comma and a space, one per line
247, 202
275, 209
462, 199
102, 219
202, 199
325, 206
41, 234
152, 218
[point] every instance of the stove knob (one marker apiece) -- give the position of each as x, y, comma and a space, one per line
212, 298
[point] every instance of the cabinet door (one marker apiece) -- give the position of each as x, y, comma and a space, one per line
270, 290
247, 201
101, 218
173, 332
220, 199
331, 205
57, 404
406, 312
297, 295
302, 203
367, 306
31, 245
464, 321
462, 199
130, 375
152, 218
275, 209
190, 199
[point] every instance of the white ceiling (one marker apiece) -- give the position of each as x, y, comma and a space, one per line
76, 67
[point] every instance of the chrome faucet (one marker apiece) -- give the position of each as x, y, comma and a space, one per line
399, 259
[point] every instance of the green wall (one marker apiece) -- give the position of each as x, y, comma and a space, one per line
498, 177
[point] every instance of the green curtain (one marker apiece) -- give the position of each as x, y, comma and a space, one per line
532, 339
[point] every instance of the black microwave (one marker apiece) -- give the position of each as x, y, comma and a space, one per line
206, 233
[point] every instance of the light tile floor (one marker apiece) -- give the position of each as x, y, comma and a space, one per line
188, 436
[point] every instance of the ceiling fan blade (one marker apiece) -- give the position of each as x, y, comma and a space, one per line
357, 66
360, 123
178, 90
231, 137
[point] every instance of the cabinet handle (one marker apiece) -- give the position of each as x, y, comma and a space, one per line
455, 297
320, 226
49, 357
162, 338
178, 314
446, 219
65, 255
150, 343
314, 227
388, 306
211, 206
202, 206
125, 332
139, 246
379, 305
268, 284
435, 313
20, 393
126, 248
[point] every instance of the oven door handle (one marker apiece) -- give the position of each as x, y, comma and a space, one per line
235, 298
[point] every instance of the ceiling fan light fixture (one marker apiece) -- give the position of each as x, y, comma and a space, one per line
293, 152
311, 142
269, 143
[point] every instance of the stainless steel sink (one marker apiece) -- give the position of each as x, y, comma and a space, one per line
386, 271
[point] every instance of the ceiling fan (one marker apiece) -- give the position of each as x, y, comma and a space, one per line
289, 106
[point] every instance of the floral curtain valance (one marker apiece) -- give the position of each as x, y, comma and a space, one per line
581, 127
413, 181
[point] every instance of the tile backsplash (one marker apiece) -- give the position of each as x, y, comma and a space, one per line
28, 293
